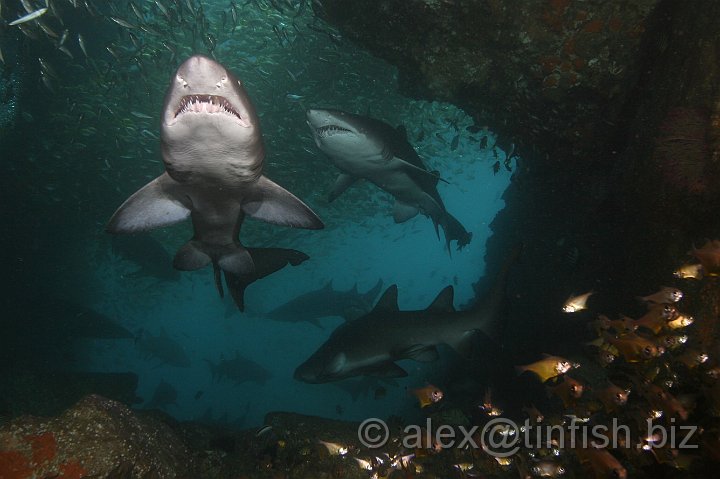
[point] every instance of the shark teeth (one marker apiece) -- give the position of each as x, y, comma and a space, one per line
206, 104
329, 130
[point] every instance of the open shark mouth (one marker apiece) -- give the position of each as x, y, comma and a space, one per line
208, 104
330, 130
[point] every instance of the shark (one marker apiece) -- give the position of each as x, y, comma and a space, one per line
363, 147
324, 302
213, 153
162, 347
238, 370
371, 344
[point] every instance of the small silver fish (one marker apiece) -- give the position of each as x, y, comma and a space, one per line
123, 23
81, 42
29, 16
576, 303
665, 295
140, 115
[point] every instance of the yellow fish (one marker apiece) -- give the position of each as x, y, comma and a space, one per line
689, 271
428, 395
634, 348
680, 322
657, 317
546, 368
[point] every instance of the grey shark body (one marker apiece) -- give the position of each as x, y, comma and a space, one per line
163, 348
372, 344
238, 370
324, 302
213, 153
363, 147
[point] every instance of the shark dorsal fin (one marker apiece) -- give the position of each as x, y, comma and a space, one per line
443, 302
388, 300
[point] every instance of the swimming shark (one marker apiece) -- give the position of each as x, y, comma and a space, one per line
238, 370
324, 302
213, 153
362, 147
162, 347
372, 344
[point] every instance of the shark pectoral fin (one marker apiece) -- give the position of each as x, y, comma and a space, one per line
387, 370
272, 203
316, 322
150, 207
388, 301
343, 182
410, 168
190, 258
418, 352
464, 344
403, 212
432, 208
443, 302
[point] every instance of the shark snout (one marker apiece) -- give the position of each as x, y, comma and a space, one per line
316, 118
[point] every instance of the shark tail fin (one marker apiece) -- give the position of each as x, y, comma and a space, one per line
454, 230
264, 261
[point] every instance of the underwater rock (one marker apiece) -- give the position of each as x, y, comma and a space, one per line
94, 438
98, 437
544, 74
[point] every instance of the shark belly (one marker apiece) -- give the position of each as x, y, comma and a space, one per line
216, 221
